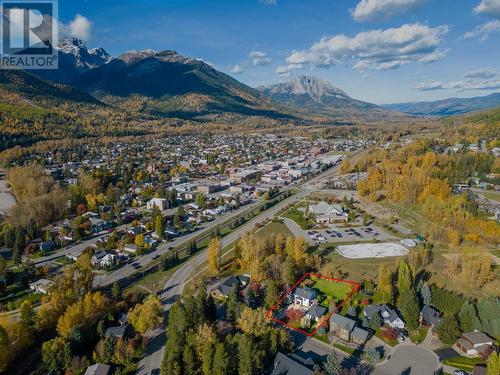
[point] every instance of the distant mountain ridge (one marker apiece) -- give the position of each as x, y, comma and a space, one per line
317, 89
447, 107
74, 58
168, 84
315, 95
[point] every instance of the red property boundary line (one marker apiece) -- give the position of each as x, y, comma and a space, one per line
354, 290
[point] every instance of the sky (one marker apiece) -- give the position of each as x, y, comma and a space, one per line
381, 51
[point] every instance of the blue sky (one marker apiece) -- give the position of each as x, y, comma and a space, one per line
380, 51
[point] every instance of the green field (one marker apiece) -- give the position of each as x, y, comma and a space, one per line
331, 288
273, 228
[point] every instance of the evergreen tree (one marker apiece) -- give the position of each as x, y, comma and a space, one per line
208, 359
160, 227
408, 306
375, 321
190, 363
246, 356
221, 360
448, 330
109, 348
468, 317
271, 297
116, 291
425, 293
333, 364
405, 278
56, 355
27, 316
232, 304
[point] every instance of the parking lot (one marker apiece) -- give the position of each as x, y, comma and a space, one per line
333, 233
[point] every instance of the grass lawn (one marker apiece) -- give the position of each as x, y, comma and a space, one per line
463, 363
298, 216
343, 348
275, 228
323, 338
356, 269
420, 336
331, 288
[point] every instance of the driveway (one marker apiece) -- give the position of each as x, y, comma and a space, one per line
409, 359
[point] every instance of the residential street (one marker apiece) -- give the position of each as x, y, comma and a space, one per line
175, 285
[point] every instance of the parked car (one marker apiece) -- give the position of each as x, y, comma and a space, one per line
460, 372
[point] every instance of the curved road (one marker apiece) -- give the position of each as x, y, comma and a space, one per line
409, 359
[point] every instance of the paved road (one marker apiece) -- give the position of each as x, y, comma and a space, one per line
175, 284
151, 363
7, 200
409, 359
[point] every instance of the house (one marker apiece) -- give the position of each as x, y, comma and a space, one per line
345, 328
130, 248
119, 332
474, 343
99, 225
160, 203
341, 326
292, 365
304, 297
429, 317
46, 246
326, 213
103, 259
315, 312
98, 369
224, 288
389, 315
41, 286
359, 336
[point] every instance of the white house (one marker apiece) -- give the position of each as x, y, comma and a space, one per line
41, 285
304, 297
389, 315
328, 213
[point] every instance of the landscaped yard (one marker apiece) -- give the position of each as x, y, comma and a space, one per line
419, 336
331, 288
298, 216
463, 363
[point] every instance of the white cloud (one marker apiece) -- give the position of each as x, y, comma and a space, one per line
287, 69
489, 7
481, 79
80, 28
376, 49
483, 73
259, 58
483, 31
379, 10
237, 69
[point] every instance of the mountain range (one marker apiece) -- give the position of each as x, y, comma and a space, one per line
447, 107
167, 84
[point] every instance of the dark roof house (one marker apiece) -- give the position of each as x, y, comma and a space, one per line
290, 365
122, 331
